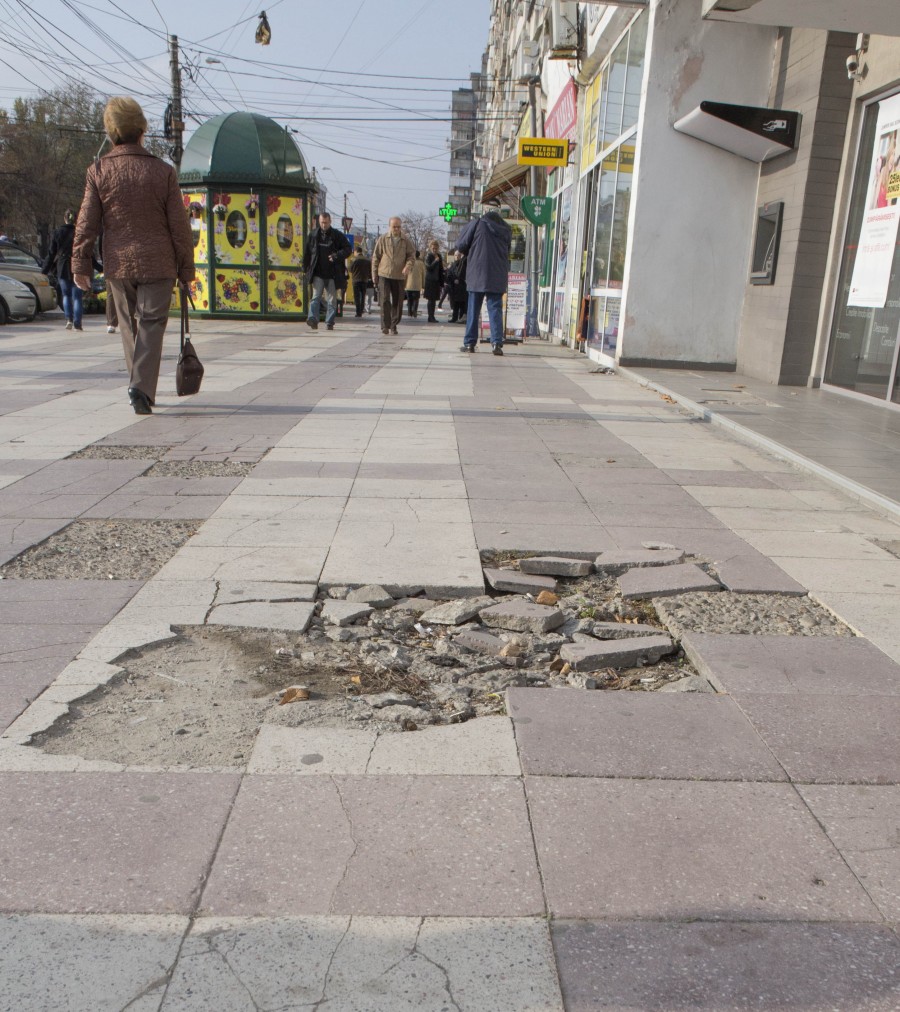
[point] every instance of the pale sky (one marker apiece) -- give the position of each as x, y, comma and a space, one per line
368, 66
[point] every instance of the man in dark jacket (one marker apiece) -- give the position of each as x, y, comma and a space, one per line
323, 260
486, 243
59, 262
361, 276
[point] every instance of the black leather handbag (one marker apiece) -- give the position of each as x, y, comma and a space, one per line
189, 370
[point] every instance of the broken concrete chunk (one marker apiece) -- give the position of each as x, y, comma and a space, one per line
482, 642
659, 546
413, 606
345, 634
455, 612
665, 582
379, 700
291, 616
580, 681
522, 616
371, 594
518, 583
635, 558
344, 612
616, 654
622, 630
554, 565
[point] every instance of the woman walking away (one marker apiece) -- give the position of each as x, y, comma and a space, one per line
147, 243
459, 294
414, 284
59, 262
434, 277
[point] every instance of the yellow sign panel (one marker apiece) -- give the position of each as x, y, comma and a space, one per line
893, 186
542, 151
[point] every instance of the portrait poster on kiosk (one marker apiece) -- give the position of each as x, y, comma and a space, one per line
878, 235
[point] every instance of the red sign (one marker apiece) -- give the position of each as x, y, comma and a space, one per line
563, 117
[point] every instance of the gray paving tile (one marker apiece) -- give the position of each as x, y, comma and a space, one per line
543, 537
649, 515
839, 665
862, 822
559, 491
134, 506
832, 739
82, 477
47, 505
677, 850
671, 967
17, 535
374, 845
727, 479
367, 964
753, 573
109, 842
63, 602
568, 733
519, 511
665, 581
102, 963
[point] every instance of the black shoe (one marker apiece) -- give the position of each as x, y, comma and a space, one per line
394, 330
432, 319
314, 324
384, 330
139, 401
497, 350
329, 326
468, 347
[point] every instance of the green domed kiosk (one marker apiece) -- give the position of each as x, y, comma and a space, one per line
249, 196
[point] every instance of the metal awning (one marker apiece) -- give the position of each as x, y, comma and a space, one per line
875, 17
506, 175
745, 130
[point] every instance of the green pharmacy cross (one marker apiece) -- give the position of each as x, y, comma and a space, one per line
448, 212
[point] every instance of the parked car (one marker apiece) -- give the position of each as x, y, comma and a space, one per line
17, 301
18, 263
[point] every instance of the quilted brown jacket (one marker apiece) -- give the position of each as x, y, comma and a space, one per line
134, 198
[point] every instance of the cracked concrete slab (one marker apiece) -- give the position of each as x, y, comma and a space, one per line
292, 616
103, 963
311, 750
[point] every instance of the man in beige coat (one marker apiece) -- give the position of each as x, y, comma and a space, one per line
391, 262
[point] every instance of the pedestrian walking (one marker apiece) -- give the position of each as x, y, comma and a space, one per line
486, 243
391, 263
323, 260
361, 276
59, 262
434, 277
415, 282
456, 285
147, 242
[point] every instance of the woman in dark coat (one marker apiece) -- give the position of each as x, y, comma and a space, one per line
434, 277
59, 262
458, 292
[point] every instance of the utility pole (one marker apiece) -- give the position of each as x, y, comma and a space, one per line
531, 320
366, 231
177, 127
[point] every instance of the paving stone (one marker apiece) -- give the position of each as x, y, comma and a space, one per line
522, 616
671, 966
366, 964
344, 612
554, 565
311, 750
840, 665
862, 823
372, 595
714, 851
597, 654
561, 732
665, 581
332, 844
100, 962
753, 573
415, 606
293, 616
231, 593
480, 641
116, 843
620, 560
482, 747
518, 583
455, 612
379, 700
621, 630
691, 683
829, 739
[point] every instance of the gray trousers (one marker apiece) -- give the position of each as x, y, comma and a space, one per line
143, 311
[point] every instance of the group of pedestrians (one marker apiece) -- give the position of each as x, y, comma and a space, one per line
133, 206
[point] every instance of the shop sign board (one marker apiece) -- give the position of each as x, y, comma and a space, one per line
538, 210
878, 234
516, 304
543, 151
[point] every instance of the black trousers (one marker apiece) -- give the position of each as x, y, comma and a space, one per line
359, 297
390, 295
431, 304
412, 308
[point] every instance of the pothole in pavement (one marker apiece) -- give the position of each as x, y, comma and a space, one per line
103, 550
200, 469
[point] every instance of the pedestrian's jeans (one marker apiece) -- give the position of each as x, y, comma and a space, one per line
495, 316
72, 297
320, 285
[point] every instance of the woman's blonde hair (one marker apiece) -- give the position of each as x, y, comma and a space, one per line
124, 120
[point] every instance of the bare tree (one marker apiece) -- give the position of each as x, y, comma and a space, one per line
422, 227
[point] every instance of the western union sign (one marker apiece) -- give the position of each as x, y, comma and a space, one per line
542, 151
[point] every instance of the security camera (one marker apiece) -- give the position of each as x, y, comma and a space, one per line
853, 66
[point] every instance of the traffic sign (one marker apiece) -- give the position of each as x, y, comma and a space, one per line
542, 151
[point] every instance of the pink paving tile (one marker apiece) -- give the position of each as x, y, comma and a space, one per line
675, 850
109, 842
389, 845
